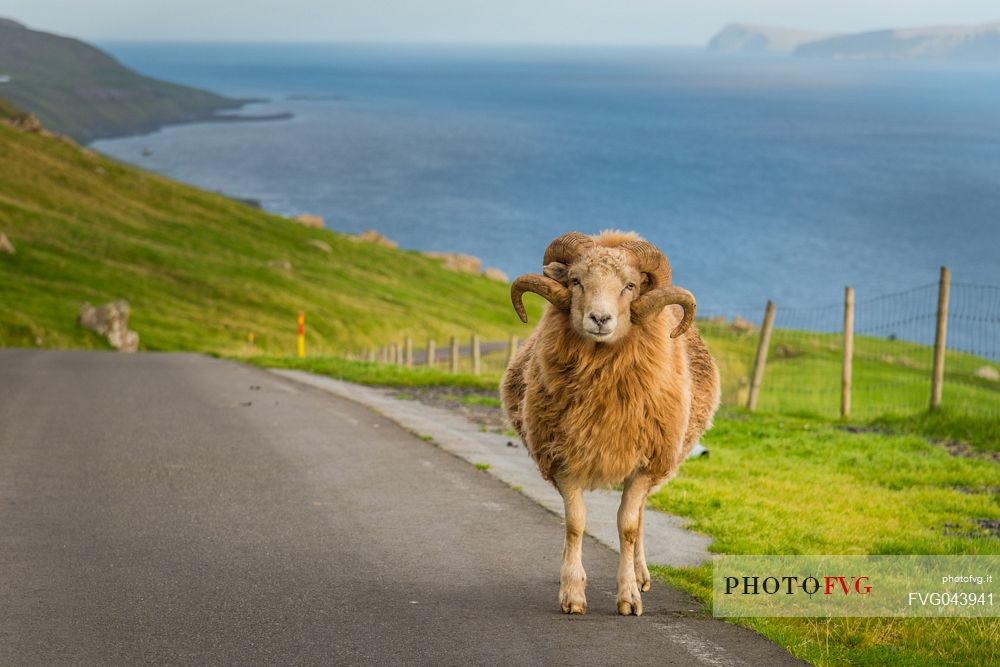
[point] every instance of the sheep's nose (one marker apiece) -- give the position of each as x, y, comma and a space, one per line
600, 319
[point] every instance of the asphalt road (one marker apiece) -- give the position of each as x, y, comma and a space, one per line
175, 509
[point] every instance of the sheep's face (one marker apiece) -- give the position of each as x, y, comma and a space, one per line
602, 285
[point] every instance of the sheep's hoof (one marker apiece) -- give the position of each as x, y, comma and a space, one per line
630, 603
573, 604
642, 579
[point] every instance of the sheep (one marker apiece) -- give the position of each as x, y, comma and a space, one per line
601, 393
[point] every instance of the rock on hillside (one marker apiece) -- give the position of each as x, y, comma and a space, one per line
309, 220
110, 321
373, 236
6, 246
457, 262
494, 273
977, 42
988, 373
452, 261
322, 246
749, 38
741, 325
26, 122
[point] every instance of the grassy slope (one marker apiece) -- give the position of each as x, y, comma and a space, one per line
81, 91
783, 485
194, 266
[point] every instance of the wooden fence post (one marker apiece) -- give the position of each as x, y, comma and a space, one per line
408, 342
940, 338
848, 367
476, 358
761, 359
431, 352
513, 349
453, 359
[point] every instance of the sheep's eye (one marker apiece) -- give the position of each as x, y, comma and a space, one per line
629, 287
575, 282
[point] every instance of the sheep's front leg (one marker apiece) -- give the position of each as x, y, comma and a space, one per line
641, 571
572, 578
629, 531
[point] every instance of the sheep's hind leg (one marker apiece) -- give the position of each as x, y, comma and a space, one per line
629, 526
641, 571
572, 577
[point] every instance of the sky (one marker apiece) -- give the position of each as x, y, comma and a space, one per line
681, 22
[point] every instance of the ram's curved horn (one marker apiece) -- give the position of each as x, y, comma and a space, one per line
649, 260
567, 248
650, 304
564, 249
552, 290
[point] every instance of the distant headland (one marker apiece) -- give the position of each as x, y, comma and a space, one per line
975, 42
79, 90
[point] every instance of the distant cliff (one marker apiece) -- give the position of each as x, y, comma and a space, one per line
981, 42
749, 38
79, 90
978, 42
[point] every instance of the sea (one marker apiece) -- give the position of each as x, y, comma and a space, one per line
760, 177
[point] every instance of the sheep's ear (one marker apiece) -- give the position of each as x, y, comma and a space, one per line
555, 270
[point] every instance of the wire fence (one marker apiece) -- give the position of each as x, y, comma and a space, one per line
972, 366
893, 354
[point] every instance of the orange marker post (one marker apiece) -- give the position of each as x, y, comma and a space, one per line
302, 334
250, 340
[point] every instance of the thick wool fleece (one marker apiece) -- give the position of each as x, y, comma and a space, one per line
596, 412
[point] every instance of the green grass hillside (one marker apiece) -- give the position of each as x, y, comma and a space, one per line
195, 266
79, 90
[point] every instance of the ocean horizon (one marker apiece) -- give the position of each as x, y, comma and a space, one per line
761, 178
